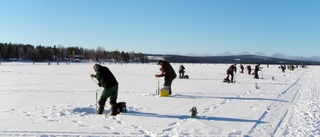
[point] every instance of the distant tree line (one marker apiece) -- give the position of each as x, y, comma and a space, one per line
41, 53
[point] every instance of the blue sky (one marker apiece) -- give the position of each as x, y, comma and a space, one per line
184, 27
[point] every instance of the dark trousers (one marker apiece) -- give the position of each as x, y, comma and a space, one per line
168, 83
231, 77
181, 74
256, 76
106, 93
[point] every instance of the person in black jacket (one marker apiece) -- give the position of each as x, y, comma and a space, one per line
256, 69
249, 69
230, 71
106, 80
167, 72
181, 71
242, 68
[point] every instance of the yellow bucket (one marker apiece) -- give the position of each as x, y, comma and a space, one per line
164, 92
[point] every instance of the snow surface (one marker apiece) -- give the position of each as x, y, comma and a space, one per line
59, 100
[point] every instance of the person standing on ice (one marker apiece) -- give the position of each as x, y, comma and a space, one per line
242, 68
249, 69
256, 69
106, 80
230, 71
167, 72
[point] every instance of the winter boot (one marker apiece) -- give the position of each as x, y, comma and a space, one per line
100, 110
114, 110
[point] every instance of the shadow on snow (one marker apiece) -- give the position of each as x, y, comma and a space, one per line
228, 98
146, 114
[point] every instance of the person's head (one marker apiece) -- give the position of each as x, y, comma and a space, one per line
160, 62
95, 67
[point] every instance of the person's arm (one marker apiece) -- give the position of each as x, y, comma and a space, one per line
162, 74
97, 76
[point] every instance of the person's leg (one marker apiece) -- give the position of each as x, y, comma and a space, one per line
110, 92
113, 94
231, 78
256, 75
102, 102
180, 74
168, 83
114, 107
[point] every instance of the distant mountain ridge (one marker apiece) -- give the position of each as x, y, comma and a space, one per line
244, 59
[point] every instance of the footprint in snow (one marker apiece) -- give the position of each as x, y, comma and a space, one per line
107, 127
134, 126
168, 129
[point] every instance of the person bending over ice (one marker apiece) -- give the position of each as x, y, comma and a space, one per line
230, 71
106, 80
167, 72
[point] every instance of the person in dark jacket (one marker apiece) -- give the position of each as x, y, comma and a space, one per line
242, 68
230, 71
106, 80
256, 69
249, 69
283, 68
181, 71
167, 72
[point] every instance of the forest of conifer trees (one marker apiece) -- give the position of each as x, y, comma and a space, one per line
28, 52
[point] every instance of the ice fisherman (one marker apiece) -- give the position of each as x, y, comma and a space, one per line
230, 71
167, 72
106, 80
249, 69
241, 68
256, 70
181, 71
283, 68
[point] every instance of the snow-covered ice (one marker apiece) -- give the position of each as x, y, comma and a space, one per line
59, 100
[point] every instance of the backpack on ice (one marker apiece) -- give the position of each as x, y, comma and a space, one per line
122, 107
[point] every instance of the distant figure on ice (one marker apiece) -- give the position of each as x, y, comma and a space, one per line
249, 69
230, 71
256, 69
106, 80
181, 71
242, 68
283, 68
167, 72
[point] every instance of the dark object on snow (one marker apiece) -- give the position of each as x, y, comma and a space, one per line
122, 107
185, 77
181, 71
114, 110
106, 80
194, 112
167, 72
249, 69
226, 80
100, 110
256, 69
230, 71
